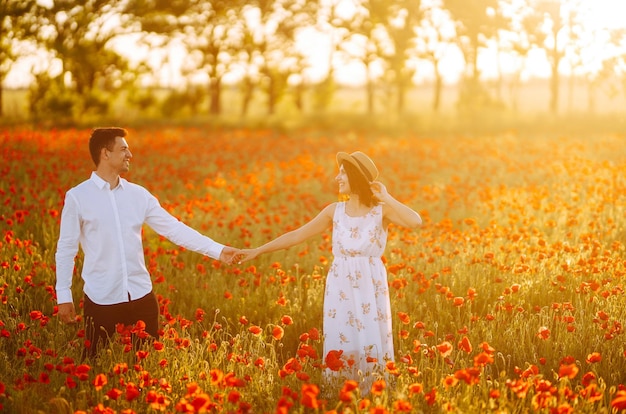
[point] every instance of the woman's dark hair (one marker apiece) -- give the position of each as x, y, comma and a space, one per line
359, 185
103, 138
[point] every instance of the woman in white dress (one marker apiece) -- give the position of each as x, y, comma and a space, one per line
357, 332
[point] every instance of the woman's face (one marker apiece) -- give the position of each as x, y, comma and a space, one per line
342, 180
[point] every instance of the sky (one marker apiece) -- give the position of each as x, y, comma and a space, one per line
599, 13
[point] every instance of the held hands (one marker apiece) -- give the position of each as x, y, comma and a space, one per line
247, 254
231, 255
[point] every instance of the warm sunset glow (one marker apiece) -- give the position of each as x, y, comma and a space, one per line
599, 16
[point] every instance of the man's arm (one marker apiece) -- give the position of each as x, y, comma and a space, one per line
67, 247
181, 234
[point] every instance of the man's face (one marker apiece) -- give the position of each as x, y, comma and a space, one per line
119, 156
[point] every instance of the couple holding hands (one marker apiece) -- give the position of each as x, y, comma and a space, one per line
104, 215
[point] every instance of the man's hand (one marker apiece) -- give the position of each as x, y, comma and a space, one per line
67, 312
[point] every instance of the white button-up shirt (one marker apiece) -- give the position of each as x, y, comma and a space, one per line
107, 225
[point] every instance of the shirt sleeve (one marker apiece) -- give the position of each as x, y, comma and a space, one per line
67, 247
178, 232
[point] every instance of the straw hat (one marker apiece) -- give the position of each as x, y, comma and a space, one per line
361, 161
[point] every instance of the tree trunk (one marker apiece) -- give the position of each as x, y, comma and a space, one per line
554, 80
369, 90
247, 96
370, 96
400, 98
299, 97
591, 102
554, 87
271, 95
437, 94
215, 91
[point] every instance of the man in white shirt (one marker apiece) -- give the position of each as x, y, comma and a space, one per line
105, 215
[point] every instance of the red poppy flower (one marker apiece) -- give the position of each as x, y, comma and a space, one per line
216, 376
570, 371
333, 360
278, 332
483, 359
114, 393
543, 333
416, 388
303, 376
404, 318
314, 334
402, 406
465, 345
200, 314
594, 357
142, 354
132, 392
619, 401
588, 378
309, 396
444, 348
431, 396
346, 394
100, 381
201, 402
292, 365
378, 387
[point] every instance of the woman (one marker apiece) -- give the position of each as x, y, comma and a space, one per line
357, 316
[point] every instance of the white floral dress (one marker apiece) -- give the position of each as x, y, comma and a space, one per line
357, 311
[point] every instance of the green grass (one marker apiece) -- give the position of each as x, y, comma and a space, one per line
522, 233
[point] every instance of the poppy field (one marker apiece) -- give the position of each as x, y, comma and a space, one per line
509, 299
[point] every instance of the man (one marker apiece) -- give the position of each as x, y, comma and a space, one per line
105, 215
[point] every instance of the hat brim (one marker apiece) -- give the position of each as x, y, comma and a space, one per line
344, 156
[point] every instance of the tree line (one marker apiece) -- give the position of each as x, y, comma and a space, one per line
255, 43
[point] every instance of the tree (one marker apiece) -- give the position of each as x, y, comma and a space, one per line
384, 33
211, 39
269, 52
17, 25
434, 39
204, 28
525, 30
330, 24
402, 19
79, 36
367, 41
551, 10
476, 22
612, 72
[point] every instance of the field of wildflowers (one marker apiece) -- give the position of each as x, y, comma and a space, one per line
510, 298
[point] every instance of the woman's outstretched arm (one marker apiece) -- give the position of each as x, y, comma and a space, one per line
316, 226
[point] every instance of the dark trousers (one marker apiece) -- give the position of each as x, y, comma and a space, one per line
101, 320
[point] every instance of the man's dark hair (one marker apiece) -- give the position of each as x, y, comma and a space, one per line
359, 185
103, 138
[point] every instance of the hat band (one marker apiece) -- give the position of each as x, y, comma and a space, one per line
364, 170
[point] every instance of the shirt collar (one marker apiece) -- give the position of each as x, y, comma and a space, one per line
101, 184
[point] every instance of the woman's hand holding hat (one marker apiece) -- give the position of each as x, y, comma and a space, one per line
379, 190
